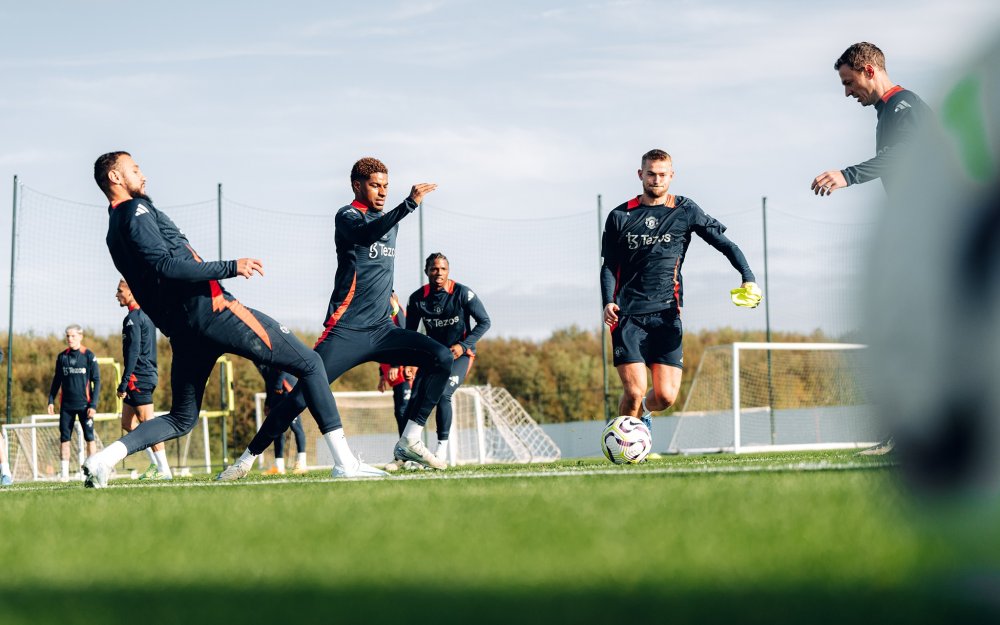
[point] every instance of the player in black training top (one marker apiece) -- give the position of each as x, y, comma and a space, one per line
359, 326
644, 243
901, 113
79, 377
183, 297
447, 309
277, 385
139, 378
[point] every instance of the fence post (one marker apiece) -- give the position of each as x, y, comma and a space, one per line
10, 308
600, 332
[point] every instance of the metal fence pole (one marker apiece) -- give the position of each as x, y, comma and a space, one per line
600, 333
10, 308
767, 323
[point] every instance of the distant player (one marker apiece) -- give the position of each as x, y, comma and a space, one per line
6, 479
397, 377
644, 244
359, 327
139, 378
900, 114
79, 377
277, 385
183, 297
447, 309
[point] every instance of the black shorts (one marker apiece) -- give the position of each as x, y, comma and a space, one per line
138, 397
66, 418
652, 338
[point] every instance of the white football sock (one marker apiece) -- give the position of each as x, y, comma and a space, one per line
412, 431
300, 461
246, 460
4, 469
279, 464
342, 455
113, 453
160, 458
644, 409
152, 456
442, 450
65, 468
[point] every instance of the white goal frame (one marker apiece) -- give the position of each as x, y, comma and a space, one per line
738, 411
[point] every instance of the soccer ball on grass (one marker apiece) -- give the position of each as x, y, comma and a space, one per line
626, 440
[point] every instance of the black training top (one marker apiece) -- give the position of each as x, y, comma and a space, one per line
166, 275
901, 114
139, 351
447, 314
644, 247
366, 253
80, 378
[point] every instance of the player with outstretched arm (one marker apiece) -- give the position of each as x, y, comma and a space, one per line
643, 247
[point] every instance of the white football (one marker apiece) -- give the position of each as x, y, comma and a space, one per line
626, 440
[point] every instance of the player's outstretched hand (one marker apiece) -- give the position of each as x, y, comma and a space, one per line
247, 266
611, 314
748, 295
828, 181
418, 191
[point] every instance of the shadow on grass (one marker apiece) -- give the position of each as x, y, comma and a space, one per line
609, 604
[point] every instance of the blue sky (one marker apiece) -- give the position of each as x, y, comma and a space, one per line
518, 110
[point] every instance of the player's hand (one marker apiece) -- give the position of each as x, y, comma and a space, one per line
121, 394
828, 181
382, 384
611, 314
418, 191
91, 412
247, 266
748, 295
409, 373
52, 409
457, 351
394, 373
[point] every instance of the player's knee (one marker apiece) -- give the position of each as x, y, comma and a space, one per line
312, 364
443, 358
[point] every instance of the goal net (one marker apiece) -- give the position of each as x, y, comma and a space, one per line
752, 397
488, 426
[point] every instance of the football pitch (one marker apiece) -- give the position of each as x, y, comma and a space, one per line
821, 537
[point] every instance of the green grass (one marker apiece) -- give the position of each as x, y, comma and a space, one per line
791, 538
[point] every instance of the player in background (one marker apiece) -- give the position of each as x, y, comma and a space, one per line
183, 297
79, 377
643, 247
358, 326
900, 114
447, 309
139, 378
400, 377
278, 384
6, 479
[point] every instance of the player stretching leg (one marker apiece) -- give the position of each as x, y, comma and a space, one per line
139, 378
277, 384
901, 113
447, 309
643, 246
183, 297
359, 327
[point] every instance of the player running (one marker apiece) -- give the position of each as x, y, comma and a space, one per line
643, 246
359, 327
900, 113
447, 309
79, 377
139, 378
183, 297
278, 384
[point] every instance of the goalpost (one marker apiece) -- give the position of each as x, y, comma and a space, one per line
488, 426
758, 397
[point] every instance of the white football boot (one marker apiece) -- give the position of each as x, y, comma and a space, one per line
95, 473
417, 452
233, 472
361, 471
